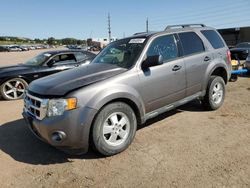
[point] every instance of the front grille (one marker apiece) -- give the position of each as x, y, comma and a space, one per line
35, 106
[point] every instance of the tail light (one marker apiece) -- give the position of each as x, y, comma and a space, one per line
228, 57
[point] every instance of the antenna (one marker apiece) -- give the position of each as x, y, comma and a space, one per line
109, 28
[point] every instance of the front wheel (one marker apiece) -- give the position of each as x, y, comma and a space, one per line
114, 128
13, 89
215, 93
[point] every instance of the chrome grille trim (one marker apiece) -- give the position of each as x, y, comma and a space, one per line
35, 106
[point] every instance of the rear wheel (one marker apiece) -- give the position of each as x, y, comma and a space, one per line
233, 78
215, 93
13, 89
114, 128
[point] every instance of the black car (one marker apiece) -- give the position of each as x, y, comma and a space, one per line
3, 49
15, 79
241, 51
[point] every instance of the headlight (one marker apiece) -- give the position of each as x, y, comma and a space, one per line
56, 107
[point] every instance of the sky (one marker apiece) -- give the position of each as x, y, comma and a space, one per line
88, 19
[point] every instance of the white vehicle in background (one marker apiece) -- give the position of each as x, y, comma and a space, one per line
14, 48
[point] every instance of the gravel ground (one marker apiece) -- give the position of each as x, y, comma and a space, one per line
186, 147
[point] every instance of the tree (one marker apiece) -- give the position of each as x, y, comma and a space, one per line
37, 40
51, 41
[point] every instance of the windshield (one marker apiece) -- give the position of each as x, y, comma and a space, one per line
122, 53
243, 45
38, 60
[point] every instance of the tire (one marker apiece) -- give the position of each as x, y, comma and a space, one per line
114, 128
233, 78
13, 89
215, 93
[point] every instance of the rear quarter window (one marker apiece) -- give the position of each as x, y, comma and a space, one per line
191, 43
214, 39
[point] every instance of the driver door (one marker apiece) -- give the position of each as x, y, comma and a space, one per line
166, 83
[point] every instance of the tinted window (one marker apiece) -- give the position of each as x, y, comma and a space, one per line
67, 57
213, 38
64, 58
191, 43
164, 46
56, 58
243, 45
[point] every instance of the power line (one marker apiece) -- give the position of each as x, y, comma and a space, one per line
203, 18
205, 11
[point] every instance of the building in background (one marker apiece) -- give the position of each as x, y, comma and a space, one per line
104, 41
233, 36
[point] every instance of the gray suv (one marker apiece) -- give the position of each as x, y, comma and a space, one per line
130, 81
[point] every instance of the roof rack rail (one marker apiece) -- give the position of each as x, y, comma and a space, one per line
139, 33
184, 25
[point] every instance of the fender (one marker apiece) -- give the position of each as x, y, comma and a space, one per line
210, 69
118, 91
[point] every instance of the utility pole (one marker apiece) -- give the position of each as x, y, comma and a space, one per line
109, 28
147, 25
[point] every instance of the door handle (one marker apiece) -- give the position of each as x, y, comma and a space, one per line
176, 68
207, 58
77, 65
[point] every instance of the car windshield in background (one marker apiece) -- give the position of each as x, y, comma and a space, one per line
38, 60
243, 45
122, 53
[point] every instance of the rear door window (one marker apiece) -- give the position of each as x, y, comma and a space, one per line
213, 38
191, 43
164, 46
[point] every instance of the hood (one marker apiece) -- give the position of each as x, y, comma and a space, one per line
61, 83
13, 69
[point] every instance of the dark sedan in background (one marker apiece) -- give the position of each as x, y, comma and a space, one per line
241, 50
4, 49
15, 79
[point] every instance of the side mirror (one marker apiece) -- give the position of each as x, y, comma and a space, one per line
51, 63
152, 61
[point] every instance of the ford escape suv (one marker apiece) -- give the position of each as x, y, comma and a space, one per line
130, 81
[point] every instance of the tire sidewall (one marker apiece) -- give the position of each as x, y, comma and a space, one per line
97, 134
213, 81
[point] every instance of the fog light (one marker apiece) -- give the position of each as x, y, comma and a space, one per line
58, 136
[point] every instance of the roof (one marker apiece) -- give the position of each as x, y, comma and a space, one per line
173, 29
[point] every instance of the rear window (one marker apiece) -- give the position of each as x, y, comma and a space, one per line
213, 38
191, 43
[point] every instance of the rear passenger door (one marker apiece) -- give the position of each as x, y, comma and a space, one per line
196, 60
166, 83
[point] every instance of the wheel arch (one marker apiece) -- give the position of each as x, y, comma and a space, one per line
13, 77
220, 71
215, 69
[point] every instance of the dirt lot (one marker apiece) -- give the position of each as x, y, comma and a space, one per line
187, 147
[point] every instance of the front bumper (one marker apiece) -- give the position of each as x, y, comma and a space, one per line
75, 125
